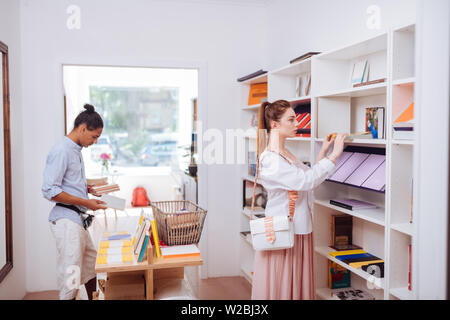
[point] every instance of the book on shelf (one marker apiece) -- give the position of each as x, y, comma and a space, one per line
360, 72
304, 56
141, 236
360, 259
144, 247
303, 117
141, 220
119, 235
375, 122
351, 294
352, 204
257, 92
115, 250
114, 258
252, 75
338, 276
303, 85
115, 243
251, 157
181, 251
341, 230
403, 125
155, 238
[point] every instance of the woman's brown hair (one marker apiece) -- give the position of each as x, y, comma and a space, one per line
269, 112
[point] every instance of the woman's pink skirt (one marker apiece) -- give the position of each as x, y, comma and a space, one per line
285, 274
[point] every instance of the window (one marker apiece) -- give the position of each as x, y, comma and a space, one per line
147, 115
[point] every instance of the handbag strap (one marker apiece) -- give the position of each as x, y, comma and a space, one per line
292, 194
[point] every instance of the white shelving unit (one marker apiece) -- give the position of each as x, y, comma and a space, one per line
386, 231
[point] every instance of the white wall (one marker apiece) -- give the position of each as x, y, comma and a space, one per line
432, 152
13, 286
299, 26
226, 39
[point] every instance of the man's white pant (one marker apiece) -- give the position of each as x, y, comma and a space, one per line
76, 256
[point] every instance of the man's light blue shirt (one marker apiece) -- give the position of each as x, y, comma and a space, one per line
64, 171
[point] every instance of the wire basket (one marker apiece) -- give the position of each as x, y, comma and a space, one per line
178, 222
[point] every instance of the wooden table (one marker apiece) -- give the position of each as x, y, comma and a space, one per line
154, 268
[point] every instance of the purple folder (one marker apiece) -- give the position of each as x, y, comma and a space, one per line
349, 166
378, 179
361, 174
341, 160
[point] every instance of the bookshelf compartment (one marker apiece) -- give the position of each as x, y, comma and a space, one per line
284, 82
348, 115
403, 52
399, 264
401, 185
333, 70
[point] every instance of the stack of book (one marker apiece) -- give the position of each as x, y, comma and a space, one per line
104, 189
361, 259
182, 251
115, 248
403, 126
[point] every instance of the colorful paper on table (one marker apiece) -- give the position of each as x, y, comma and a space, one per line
117, 250
115, 244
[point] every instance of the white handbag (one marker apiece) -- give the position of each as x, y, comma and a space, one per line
271, 233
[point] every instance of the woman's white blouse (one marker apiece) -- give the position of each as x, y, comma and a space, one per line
278, 177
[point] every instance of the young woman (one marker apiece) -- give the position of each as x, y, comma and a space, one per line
288, 274
65, 183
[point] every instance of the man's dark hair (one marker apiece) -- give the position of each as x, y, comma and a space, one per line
90, 117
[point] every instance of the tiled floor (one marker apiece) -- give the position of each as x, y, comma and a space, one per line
223, 288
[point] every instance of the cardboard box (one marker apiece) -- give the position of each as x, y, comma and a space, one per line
125, 286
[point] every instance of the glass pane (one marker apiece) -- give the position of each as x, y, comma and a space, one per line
147, 114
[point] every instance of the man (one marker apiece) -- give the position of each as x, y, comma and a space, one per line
65, 183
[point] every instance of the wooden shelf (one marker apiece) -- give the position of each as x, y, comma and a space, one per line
376, 282
253, 107
258, 79
361, 141
402, 293
376, 215
370, 90
405, 142
294, 68
406, 81
406, 228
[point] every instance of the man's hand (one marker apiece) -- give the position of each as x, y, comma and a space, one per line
95, 204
